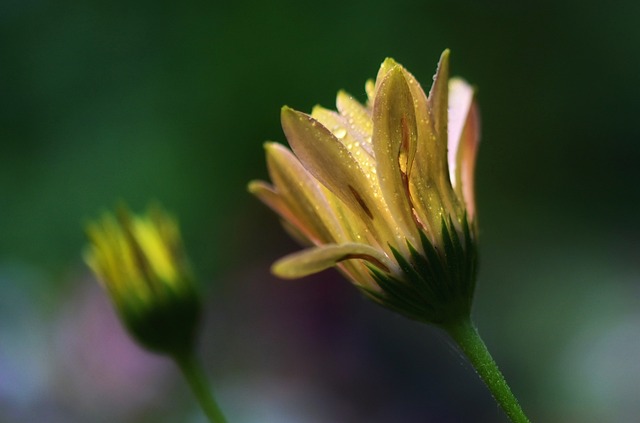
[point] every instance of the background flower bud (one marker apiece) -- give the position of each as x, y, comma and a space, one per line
141, 263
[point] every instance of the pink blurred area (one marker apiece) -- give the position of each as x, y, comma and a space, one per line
69, 359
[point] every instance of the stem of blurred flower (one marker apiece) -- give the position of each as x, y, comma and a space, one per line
193, 373
466, 336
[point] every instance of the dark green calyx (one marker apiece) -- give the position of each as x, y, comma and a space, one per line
437, 284
168, 324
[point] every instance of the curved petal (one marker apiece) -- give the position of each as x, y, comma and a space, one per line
394, 143
460, 100
267, 194
439, 105
317, 259
303, 195
467, 153
331, 163
370, 89
385, 67
424, 193
357, 115
439, 96
359, 149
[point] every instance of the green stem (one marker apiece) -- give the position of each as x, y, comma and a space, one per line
197, 381
466, 336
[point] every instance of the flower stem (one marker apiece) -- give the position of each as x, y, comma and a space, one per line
193, 373
466, 336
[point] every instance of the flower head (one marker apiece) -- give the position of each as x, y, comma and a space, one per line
384, 191
141, 263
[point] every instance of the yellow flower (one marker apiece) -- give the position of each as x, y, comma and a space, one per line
384, 191
141, 263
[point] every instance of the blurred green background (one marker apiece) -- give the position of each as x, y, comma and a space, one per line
140, 101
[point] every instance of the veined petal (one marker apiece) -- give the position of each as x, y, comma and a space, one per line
302, 195
355, 229
360, 149
437, 149
317, 259
439, 96
267, 194
385, 67
426, 134
329, 161
436, 183
357, 115
394, 142
424, 193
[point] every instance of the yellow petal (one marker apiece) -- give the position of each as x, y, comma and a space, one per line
394, 142
267, 194
359, 148
355, 229
385, 67
439, 96
156, 253
317, 259
436, 154
370, 89
358, 116
431, 181
424, 193
329, 161
302, 194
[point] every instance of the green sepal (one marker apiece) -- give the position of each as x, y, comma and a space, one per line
168, 324
436, 284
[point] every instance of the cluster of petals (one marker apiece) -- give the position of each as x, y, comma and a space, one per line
370, 181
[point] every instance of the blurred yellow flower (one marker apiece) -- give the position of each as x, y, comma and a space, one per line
384, 191
141, 263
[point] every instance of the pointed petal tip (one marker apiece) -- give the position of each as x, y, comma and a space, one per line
443, 63
397, 72
288, 114
389, 61
302, 263
319, 258
267, 145
272, 147
444, 58
342, 97
387, 65
460, 81
255, 186
283, 270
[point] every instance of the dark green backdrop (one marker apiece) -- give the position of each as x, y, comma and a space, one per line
109, 100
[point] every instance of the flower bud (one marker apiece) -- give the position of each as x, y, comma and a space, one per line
141, 263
